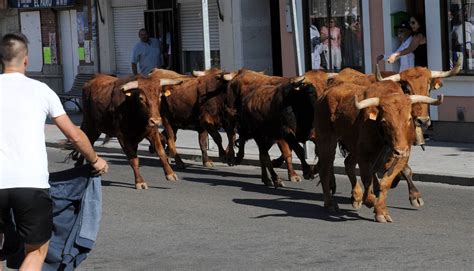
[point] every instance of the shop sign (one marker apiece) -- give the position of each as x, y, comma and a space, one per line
23, 4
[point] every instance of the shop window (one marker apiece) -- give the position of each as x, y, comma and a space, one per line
336, 39
460, 34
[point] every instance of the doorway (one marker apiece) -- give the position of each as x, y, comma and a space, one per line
161, 22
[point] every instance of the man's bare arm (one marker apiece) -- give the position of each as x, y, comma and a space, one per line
77, 137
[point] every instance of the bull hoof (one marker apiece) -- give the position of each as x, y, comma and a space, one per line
180, 164
417, 202
172, 177
308, 174
333, 190
140, 186
267, 182
209, 164
278, 183
295, 179
356, 204
332, 208
383, 218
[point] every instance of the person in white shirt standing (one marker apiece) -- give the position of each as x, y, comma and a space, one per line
404, 35
24, 105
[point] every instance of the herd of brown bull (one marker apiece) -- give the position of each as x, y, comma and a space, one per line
375, 119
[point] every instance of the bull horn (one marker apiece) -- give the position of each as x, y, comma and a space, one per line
366, 103
332, 74
378, 75
394, 78
261, 72
455, 70
297, 80
170, 82
229, 76
130, 85
198, 73
426, 99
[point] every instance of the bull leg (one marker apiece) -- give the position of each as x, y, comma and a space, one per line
203, 138
169, 173
231, 136
356, 194
171, 141
366, 176
216, 136
327, 151
380, 208
240, 153
286, 153
413, 193
131, 153
278, 162
266, 163
307, 169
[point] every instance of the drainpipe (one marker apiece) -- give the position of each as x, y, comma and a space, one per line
296, 36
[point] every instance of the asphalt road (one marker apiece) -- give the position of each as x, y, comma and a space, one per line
225, 219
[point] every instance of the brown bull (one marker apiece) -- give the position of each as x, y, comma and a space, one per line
128, 109
417, 81
241, 85
197, 104
385, 119
281, 112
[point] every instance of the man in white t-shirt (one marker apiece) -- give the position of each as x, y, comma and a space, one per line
24, 105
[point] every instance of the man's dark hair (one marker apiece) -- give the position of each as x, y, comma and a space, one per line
12, 46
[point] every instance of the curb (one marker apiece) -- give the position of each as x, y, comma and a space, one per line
420, 177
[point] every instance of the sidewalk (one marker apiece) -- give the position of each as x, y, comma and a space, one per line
441, 162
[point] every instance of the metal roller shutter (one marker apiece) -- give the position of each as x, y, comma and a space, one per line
127, 22
191, 26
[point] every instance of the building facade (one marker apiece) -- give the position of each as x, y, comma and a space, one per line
90, 36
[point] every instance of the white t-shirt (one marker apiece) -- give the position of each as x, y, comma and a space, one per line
24, 105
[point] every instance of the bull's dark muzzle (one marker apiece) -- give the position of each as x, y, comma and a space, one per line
423, 122
154, 122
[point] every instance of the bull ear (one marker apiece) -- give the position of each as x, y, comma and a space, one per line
198, 73
437, 83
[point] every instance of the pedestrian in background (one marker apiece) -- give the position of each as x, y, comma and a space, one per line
147, 54
334, 35
417, 45
404, 35
24, 105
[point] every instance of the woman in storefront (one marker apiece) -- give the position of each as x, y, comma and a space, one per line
418, 43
